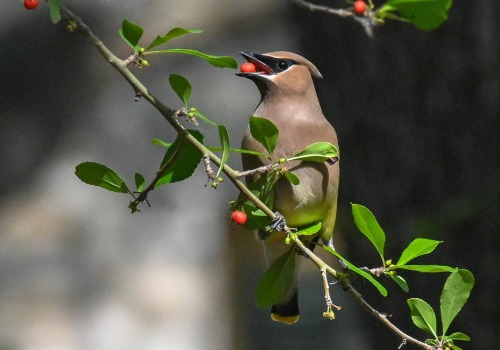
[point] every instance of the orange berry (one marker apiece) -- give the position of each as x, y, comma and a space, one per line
359, 7
31, 4
239, 217
247, 67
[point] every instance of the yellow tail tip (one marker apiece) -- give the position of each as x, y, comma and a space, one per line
285, 319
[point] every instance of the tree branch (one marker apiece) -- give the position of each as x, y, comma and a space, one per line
368, 22
166, 112
346, 285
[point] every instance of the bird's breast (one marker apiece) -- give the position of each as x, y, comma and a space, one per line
307, 202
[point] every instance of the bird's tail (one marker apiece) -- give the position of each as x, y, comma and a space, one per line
288, 311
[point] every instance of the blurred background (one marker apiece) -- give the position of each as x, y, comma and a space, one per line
417, 116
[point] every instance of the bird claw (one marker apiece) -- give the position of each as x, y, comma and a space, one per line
279, 222
343, 264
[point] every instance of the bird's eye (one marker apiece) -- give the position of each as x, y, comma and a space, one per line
283, 65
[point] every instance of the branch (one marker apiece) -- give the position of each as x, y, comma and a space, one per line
261, 170
170, 116
166, 112
159, 174
326, 9
368, 22
346, 285
329, 314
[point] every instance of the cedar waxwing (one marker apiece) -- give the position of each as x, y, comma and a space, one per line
289, 100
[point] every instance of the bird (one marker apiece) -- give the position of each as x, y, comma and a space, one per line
289, 100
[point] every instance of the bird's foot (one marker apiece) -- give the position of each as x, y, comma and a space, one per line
344, 266
279, 222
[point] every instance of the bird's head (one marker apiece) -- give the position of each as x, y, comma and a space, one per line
280, 71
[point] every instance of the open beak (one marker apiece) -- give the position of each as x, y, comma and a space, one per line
261, 68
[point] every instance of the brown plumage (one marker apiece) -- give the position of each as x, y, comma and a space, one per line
289, 100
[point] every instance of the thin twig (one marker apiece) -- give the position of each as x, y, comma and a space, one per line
368, 22
326, 9
208, 167
183, 113
329, 314
261, 170
159, 174
379, 271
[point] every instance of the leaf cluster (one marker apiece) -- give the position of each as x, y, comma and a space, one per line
424, 14
275, 284
131, 33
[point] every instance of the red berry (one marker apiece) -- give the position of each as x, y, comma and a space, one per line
359, 7
239, 217
247, 67
31, 4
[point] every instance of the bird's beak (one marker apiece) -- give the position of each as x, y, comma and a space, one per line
261, 68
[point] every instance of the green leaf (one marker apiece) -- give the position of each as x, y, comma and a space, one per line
238, 150
55, 10
418, 247
318, 152
257, 219
309, 230
263, 189
424, 14
294, 180
400, 282
423, 315
100, 175
216, 61
277, 281
181, 160
224, 141
456, 291
458, 336
174, 33
131, 33
181, 86
161, 143
264, 132
200, 116
140, 182
368, 225
427, 268
360, 272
